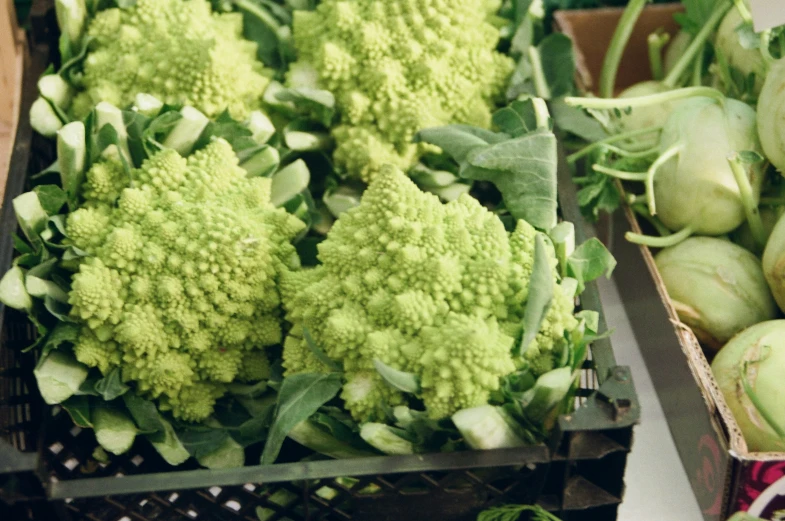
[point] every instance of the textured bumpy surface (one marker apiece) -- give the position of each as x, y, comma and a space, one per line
179, 52
400, 66
179, 288
437, 290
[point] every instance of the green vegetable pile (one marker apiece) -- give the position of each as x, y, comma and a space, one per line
699, 154
335, 222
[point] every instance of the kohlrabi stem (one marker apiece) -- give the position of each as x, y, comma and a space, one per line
664, 158
765, 47
572, 158
743, 11
538, 75
643, 211
610, 66
696, 45
772, 201
659, 242
697, 70
631, 155
644, 101
748, 200
620, 174
541, 115
656, 42
753, 396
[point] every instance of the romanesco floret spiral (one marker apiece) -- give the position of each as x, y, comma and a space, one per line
399, 66
180, 282
180, 52
432, 289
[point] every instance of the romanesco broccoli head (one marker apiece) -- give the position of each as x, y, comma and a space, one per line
438, 290
397, 67
179, 288
180, 52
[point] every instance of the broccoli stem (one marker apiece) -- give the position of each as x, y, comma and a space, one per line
645, 101
486, 427
572, 158
696, 45
108, 114
263, 163
71, 16
621, 36
56, 90
664, 158
656, 42
538, 75
148, 105
748, 201
71, 153
659, 242
186, 132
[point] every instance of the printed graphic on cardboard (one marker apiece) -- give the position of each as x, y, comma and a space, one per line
762, 492
709, 477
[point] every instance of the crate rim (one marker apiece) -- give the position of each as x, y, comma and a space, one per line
612, 417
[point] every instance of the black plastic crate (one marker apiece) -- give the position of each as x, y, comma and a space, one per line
579, 475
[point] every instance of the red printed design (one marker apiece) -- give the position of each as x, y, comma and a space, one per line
762, 491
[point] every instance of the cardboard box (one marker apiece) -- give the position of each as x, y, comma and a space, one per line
725, 477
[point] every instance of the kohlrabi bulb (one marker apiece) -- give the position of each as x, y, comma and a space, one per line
749, 371
746, 61
774, 262
645, 117
696, 187
717, 288
771, 122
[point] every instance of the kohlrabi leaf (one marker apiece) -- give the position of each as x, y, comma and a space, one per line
589, 261
516, 119
59, 377
577, 122
300, 396
540, 293
111, 386
558, 64
401, 380
524, 171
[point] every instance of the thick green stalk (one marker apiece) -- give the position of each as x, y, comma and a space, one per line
696, 45
644, 101
664, 158
186, 132
71, 153
748, 201
659, 242
572, 158
621, 36
656, 42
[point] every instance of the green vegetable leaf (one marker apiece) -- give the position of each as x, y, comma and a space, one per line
59, 377
51, 197
300, 396
144, 413
514, 513
200, 442
458, 140
314, 103
168, 444
540, 293
78, 408
401, 380
558, 64
319, 353
576, 121
12, 290
63, 332
270, 32
592, 319
590, 261
228, 455
524, 171
516, 119
111, 386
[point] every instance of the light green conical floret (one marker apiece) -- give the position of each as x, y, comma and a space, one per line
426, 288
180, 286
177, 51
396, 67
